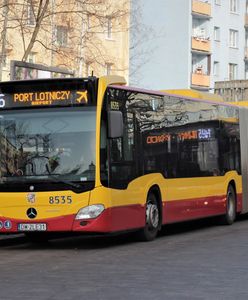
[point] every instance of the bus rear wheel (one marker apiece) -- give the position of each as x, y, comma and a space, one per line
153, 219
230, 214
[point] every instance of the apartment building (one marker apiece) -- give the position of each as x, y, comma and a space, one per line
198, 42
236, 88
78, 36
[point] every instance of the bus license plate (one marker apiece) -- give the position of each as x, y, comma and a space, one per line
32, 227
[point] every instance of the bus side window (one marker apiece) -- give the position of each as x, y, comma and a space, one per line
116, 150
229, 148
103, 151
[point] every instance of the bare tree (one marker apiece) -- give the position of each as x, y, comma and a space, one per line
5, 9
40, 23
39, 14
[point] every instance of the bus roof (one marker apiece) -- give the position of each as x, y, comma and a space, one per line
196, 94
186, 94
240, 103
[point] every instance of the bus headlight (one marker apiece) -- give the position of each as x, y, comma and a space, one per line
90, 212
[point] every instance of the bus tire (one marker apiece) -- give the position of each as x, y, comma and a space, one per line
153, 219
230, 214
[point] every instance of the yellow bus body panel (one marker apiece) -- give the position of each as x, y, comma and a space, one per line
15, 205
195, 94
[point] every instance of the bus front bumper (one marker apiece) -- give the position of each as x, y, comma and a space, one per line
110, 220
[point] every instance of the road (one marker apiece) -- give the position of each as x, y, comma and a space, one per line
196, 260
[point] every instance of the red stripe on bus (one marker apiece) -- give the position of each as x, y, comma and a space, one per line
113, 219
183, 210
61, 223
130, 217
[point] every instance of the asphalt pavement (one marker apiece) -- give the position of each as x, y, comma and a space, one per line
195, 260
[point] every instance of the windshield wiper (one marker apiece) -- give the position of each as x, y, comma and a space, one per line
74, 186
45, 184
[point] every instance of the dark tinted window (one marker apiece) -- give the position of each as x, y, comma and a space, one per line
40, 145
172, 136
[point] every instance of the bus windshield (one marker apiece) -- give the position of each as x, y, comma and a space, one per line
47, 145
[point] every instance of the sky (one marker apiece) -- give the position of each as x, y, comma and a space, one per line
147, 70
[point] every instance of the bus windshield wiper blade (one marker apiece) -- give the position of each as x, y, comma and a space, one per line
66, 182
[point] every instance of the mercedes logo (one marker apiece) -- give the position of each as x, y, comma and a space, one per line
31, 213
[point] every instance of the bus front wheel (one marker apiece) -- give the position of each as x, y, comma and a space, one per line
230, 214
149, 232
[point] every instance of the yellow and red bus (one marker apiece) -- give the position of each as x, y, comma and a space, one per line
92, 155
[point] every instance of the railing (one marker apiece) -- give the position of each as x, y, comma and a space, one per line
246, 53
200, 7
200, 79
201, 44
246, 20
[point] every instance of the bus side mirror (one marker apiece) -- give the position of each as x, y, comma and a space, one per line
115, 124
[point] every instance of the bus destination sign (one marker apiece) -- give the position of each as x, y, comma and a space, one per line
44, 98
198, 134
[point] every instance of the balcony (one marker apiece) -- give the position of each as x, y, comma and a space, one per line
201, 8
200, 79
246, 20
201, 44
246, 53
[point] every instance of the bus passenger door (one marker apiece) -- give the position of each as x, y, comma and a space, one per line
195, 184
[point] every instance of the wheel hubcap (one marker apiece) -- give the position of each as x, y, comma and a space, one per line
152, 215
231, 206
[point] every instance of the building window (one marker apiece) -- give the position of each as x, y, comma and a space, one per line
3, 59
246, 71
30, 14
216, 68
31, 58
62, 36
109, 28
87, 68
232, 71
108, 68
234, 6
233, 38
217, 33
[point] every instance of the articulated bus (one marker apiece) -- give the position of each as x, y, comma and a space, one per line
93, 156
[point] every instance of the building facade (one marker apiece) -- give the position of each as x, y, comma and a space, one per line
232, 90
235, 89
76, 35
200, 42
